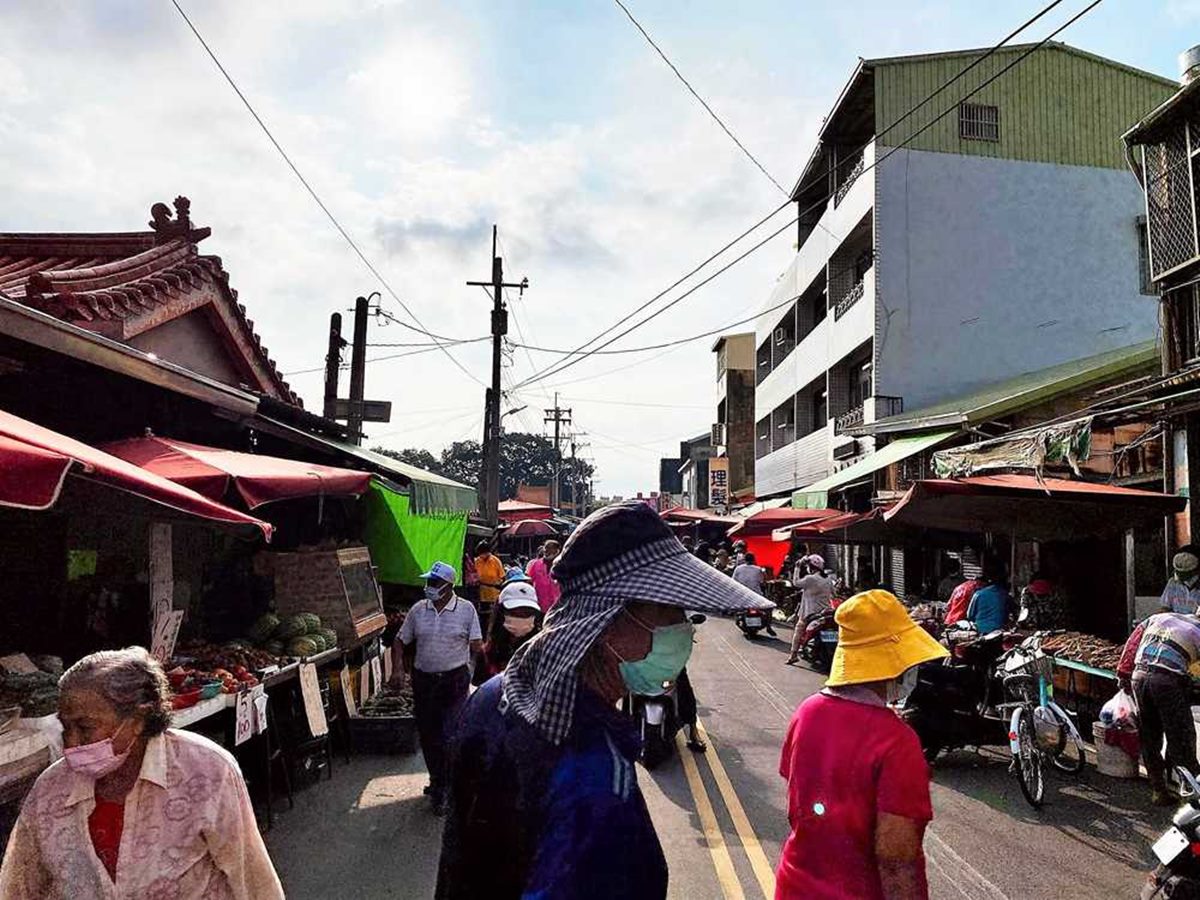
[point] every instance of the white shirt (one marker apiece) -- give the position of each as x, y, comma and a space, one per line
816, 594
443, 638
749, 576
189, 833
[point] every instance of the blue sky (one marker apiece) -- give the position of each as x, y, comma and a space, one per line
422, 123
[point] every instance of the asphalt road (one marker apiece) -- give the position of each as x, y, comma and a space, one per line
721, 817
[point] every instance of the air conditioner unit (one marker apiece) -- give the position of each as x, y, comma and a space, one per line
780, 336
717, 435
845, 450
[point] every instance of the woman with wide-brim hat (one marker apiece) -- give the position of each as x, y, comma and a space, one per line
858, 783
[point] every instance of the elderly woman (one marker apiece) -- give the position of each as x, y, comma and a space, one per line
135, 809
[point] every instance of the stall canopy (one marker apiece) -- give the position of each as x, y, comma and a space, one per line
404, 543
516, 510
763, 523
844, 528
527, 528
816, 495
44, 457
1029, 508
689, 516
258, 479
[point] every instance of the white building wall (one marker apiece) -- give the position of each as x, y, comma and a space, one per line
988, 268
799, 463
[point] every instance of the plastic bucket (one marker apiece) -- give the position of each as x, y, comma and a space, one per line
1110, 759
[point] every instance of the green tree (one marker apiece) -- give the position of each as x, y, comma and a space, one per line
413, 456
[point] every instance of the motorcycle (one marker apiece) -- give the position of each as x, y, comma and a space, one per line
820, 640
1177, 875
657, 716
752, 621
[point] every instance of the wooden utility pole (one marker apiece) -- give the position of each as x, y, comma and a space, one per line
489, 486
576, 476
358, 370
333, 364
559, 417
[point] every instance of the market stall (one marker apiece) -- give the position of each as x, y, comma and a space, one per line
757, 531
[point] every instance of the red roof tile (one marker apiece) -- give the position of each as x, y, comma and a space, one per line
119, 284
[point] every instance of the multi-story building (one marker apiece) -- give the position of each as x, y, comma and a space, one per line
733, 428
936, 256
693, 470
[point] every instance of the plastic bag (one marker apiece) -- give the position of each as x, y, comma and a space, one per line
1120, 710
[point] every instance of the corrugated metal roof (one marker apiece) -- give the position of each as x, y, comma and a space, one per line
1023, 391
816, 496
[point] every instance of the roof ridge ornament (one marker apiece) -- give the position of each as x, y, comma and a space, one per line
167, 229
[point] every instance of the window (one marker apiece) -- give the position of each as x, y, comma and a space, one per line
978, 122
820, 408
783, 420
860, 383
1145, 284
763, 362
821, 306
762, 438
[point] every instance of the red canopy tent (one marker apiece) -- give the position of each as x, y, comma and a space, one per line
529, 528
516, 510
757, 529
687, 516
1029, 508
40, 459
258, 479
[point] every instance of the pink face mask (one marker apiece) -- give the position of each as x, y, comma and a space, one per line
97, 759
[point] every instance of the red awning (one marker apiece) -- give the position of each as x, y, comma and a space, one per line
769, 519
693, 516
529, 528
1024, 507
30, 477
40, 450
516, 510
259, 479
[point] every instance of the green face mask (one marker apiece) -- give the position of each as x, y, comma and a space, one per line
670, 647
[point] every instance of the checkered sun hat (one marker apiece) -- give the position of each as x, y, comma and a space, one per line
621, 554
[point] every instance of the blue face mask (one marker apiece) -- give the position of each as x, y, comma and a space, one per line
670, 647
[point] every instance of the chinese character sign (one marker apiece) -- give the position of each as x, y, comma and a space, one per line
718, 483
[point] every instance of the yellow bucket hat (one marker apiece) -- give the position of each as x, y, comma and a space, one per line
877, 640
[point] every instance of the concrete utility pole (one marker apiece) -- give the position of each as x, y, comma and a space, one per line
576, 477
358, 370
489, 486
333, 364
559, 417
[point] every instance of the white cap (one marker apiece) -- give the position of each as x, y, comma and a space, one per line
519, 595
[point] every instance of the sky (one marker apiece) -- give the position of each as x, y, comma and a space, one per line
422, 124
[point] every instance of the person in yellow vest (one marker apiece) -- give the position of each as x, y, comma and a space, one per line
491, 572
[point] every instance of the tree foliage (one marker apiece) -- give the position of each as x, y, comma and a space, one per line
524, 459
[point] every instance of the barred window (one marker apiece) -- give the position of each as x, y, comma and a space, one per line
978, 122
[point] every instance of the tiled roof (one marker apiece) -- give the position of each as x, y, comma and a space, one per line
120, 284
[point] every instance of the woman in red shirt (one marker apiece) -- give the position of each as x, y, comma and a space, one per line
858, 783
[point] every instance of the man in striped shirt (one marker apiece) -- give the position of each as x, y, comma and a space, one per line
439, 634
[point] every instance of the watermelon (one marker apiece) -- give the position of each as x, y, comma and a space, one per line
275, 647
331, 638
312, 623
291, 627
302, 646
261, 630
319, 640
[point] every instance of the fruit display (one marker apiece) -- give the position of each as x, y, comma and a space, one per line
36, 693
297, 636
389, 702
209, 657
1083, 648
193, 683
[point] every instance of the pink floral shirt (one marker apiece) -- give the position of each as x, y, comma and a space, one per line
189, 833
544, 584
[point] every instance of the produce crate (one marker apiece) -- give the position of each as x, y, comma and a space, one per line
386, 735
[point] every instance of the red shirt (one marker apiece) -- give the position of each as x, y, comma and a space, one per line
105, 825
960, 600
845, 762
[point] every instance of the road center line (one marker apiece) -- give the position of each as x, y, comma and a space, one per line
731, 887
768, 692
741, 822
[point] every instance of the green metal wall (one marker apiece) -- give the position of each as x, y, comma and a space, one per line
1057, 105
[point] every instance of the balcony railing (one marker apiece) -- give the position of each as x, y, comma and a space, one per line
852, 296
851, 177
848, 420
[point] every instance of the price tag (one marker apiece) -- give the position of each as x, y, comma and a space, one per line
162, 574
166, 630
243, 727
347, 693
310, 689
376, 672
259, 693
387, 665
364, 683
17, 664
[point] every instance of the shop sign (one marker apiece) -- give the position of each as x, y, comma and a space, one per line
162, 575
314, 710
347, 691
718, 482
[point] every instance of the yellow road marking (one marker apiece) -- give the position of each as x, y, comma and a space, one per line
758, 858
726, 875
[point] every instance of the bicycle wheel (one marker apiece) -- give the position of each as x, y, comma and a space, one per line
1029, 760
1069, 758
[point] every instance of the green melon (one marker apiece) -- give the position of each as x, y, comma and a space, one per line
312, 621
302, 646
331, 638
291, 627
275, 647
261, 630
317, 639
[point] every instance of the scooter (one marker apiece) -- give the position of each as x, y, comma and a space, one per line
1177, 875
820, 640
752, 621
657, 716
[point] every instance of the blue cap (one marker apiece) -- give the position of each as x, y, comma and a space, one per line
442, 572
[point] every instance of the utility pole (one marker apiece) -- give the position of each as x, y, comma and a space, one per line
576, 475
559, 417
490, 477
358, 370
333, 364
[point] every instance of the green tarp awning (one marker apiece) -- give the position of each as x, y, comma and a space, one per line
816, 495
404, 544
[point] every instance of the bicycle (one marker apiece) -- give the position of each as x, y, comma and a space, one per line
1039, 729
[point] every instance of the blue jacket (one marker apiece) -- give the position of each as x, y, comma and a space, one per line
989, 608
531, 821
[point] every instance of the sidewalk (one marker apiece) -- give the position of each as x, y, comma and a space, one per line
367, 833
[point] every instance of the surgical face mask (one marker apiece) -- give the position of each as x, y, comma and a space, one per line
433, 594
900, 688
670, 647
518, 626
97, 759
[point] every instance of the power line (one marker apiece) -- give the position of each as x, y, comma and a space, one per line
701, 100
429, 343
312, 192
373, 359
632, 403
